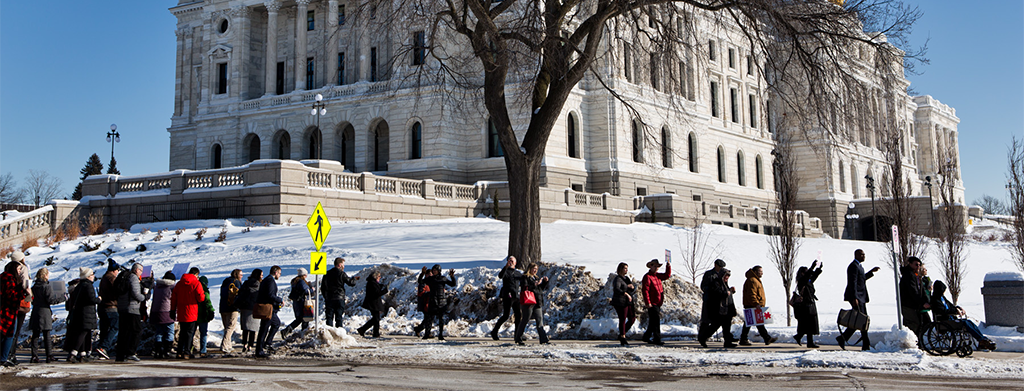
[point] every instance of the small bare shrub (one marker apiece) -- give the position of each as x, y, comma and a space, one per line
88, 246
6, 250
94, 225
159, 235
289, 222
72, 230
200, 233
223, 235
29, 242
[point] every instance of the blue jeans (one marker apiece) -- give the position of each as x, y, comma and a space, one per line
268, 327
163, 332
5, 348
108, 330
203, 326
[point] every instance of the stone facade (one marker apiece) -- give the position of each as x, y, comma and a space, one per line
243, 92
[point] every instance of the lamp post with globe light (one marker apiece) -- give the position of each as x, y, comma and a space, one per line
113, 137
319, 109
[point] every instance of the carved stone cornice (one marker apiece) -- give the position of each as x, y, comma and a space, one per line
241, 11
272, 5
302, 2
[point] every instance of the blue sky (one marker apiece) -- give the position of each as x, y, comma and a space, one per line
70, 69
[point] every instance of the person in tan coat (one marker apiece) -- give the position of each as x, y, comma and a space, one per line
753, 297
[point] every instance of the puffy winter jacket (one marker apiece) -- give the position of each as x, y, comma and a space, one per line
185, 299
753, 291
161, 311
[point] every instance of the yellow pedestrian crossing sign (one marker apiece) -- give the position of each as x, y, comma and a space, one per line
319, 226
317, 263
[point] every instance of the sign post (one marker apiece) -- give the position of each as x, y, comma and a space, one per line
896, 274
319, 226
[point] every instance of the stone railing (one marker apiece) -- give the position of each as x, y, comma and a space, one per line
37, 223
328, 92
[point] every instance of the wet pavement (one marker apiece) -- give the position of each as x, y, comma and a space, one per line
133, 383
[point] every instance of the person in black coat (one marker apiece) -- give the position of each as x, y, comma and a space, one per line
245, 301
509, 295
374, 302
41, 319
422, 298
913, 296
437, 306
268, 327
535, 284
806, 311
333, 290
857, 294
709, 308
83, 317
622, 301
727, 310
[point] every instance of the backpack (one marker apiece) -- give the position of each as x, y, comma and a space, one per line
121, 283
232, 293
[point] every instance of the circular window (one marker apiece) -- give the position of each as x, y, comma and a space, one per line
223, 26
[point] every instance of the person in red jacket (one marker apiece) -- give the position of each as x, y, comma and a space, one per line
185, 299
654, 295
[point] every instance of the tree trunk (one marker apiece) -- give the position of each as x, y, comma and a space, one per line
524, 216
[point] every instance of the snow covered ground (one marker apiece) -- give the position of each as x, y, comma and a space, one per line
476, 247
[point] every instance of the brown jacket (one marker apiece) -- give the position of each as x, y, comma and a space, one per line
107, 294
753, 291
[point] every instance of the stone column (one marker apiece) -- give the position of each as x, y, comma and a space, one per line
179, 85
270, 86
300, 44
332, 43
240, 55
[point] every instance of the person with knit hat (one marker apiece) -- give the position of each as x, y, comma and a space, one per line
709, 308
206, 315
82, 317
654, 295
300, 292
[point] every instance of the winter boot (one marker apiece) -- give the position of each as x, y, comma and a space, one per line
810, 342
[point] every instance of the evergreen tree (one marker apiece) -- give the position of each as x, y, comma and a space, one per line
112, 169
92, 167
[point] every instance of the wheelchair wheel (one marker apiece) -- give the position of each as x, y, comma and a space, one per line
939, 340
964, 351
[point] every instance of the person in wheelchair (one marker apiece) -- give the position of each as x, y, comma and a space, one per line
944, 311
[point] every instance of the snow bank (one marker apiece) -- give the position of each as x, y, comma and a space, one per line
897, 340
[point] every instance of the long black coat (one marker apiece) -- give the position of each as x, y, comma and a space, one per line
438, 292
375, 292
806, 312
510, 280
709, 309
83, 314
41, 318
620, 288
246, 298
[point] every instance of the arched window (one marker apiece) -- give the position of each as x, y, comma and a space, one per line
740, 173
638, 140
380, 146
314, 144
493, 142
416, 142
216, 163
854, 181
842, 177
721, 164
759, 172
692, 152
254, 147
346, 147
572, 137
284, 145
666, 148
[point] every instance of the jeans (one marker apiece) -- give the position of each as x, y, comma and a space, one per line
430, 317
230, 320
535, 312
108, 330
129, 332
163, 332
5, 348
653, 332
334, 309
298, 307
373, 322
200, 339
509, 305
627, 316
268, 327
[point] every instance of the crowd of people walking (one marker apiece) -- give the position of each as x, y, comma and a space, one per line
178, 309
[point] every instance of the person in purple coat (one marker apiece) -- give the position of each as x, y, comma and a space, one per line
160, 316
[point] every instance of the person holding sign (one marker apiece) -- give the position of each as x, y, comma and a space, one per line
753, 297
654, 295
804, 308
857, 294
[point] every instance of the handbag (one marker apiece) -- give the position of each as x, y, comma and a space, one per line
796, 299
307, 311
262, 311
526, 297
853, 319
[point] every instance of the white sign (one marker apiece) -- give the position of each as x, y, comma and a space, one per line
895, 239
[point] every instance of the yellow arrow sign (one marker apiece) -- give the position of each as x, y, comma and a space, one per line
319, 226
317, 263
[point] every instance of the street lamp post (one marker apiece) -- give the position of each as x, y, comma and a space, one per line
931, 209
874, 217
319, 109
851, 220
113, 137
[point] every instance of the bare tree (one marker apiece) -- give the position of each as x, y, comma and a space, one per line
699, 251
992, 205
9, 191
41, 187
951, 228
1015, 183
532, 55
784, 245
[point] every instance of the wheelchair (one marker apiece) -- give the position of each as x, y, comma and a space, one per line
945, 337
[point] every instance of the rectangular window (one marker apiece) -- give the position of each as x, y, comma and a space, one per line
753, 110
341, 15
280, 79
310, 17
750, 65
419, 48
222, 78
627, 61
310, 73
341, 68
654, 72
373, 64
711, 50
732, 58
714, 99
734, 102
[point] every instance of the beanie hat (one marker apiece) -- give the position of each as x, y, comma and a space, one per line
17, 256
85, 272
111, 264
302, 272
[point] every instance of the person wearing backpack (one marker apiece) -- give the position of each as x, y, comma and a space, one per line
300, 292
333, 290
108, 314
229, 309
128, 306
